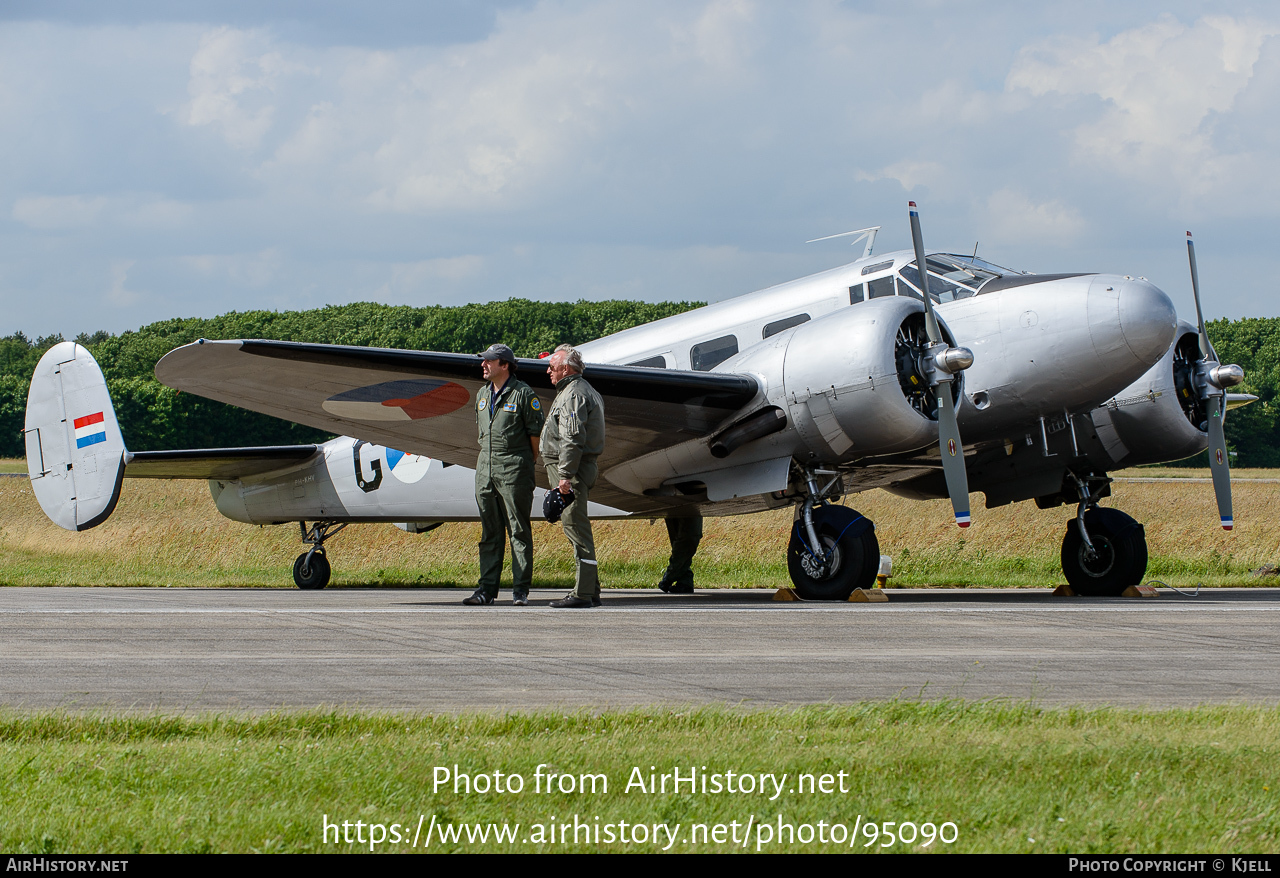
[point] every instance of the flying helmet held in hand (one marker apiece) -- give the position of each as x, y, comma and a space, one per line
554, 503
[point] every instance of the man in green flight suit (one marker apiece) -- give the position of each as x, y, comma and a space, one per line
571, 441
510, 419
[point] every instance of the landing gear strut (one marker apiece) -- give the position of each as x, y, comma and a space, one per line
311, 570
1104, 551
833, 549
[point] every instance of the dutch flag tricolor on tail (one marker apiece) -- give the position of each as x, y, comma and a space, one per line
90, 430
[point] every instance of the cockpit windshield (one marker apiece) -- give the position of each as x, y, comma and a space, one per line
952, 276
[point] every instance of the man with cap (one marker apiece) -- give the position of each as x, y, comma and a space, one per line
510, 419
572, 440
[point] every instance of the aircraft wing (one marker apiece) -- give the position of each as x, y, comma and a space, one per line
421, 401
214, 463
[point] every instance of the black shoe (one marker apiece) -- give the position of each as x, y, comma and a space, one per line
479, 599
572, 601
675, 587
520, 599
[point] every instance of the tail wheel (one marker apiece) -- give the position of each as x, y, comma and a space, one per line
1120, 554
848, 557
313, 574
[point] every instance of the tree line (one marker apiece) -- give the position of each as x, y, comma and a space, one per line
154, 417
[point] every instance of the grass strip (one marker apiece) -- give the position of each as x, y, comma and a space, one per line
169, 533
1012, 777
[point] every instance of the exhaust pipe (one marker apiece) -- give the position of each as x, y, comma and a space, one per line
757, 426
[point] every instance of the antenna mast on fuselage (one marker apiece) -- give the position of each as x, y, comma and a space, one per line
868, 233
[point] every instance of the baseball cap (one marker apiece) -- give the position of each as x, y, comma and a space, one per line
499, 352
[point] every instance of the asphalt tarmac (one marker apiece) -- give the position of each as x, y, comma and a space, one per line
196, 650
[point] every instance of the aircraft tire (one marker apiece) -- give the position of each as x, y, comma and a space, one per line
315, 575
1121, 544
851, 540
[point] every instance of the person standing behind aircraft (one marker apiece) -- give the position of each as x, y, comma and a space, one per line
685, 533
510, 419
572, 440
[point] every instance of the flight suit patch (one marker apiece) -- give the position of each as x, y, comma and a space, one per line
509, 407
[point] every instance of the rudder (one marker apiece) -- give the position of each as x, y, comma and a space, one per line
75, 453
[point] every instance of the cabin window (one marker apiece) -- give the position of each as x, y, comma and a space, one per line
881, 286
706, 356
779, 325
658, 362
856, 294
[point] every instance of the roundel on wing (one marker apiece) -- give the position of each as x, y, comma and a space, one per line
408, 468
410, 400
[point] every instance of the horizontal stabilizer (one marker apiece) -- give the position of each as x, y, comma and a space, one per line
214, 463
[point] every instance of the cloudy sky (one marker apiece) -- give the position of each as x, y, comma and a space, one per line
165, 159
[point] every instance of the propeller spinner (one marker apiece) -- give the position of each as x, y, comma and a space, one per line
1211, 379
942, 362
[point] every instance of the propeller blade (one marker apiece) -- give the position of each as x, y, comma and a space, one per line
1206, 349
949, 445
917, 241
952, 456
1219, 465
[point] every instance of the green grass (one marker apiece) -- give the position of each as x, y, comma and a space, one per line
1011, 776
170, 534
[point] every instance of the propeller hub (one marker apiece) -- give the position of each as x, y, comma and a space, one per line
953, 360
1226, 376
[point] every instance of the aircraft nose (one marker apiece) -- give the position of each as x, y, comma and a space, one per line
1148, 320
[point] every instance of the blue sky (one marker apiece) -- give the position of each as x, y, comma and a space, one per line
170, 160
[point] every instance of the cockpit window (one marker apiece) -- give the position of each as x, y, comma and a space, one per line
940, 289
952, 276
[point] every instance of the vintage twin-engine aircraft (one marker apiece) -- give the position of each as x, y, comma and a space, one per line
864, 376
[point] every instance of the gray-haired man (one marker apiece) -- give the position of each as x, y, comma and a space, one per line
572, 439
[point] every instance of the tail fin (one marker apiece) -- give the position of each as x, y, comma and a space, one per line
75, 453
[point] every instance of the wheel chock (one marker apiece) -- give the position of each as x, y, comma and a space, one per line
1140, 591
786, 594
1064, 591
868, 596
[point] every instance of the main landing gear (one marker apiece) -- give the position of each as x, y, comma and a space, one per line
1104, 551
311, 570
833, 549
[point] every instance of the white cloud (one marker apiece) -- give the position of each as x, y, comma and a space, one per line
75, 212
1164, 86
57, 212
1014, 219
117, 294
908, 173
232, 84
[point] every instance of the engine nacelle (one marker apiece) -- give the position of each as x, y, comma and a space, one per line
853, 382
1159, 417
